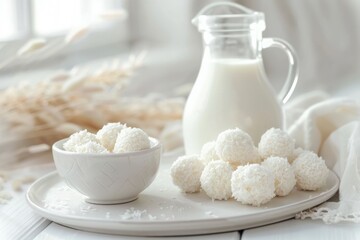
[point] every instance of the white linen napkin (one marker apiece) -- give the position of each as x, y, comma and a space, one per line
331, 128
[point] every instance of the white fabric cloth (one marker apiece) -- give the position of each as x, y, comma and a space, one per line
330, 128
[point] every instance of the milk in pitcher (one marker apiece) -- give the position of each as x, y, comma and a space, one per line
229, 93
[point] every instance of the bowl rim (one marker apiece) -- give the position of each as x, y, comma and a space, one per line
57, 147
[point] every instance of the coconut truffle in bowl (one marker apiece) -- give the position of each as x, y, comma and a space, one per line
108, 134
91, 147
131, 140
79, 138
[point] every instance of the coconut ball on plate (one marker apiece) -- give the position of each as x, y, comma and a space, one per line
107, 135
276, 142
310, 170
131, 140
91, 147
208, 153
284, 174
236, 147
216, 180
186, 172
79, 138
253, 184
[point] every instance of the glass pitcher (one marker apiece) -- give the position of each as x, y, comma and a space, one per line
232, 89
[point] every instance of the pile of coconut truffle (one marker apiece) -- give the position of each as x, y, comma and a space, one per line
232, 166
111, 138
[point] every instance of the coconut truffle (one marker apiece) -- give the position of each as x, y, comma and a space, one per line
236, 147
208, 153
253, 184
107, 135
277, 143
284, 174
91, 147
216, 180
310, 170
79, 138
131, 140
186, 172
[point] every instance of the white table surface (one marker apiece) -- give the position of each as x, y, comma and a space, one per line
304, 229
56, 231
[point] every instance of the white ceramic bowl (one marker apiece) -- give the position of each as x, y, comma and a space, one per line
108, 178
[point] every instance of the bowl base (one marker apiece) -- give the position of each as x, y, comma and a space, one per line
113, 201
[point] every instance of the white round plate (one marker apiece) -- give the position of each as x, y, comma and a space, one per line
162, 210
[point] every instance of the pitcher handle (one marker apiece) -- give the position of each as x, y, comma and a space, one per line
293, 73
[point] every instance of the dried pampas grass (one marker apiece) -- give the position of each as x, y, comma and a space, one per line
35, 115
32, 46
76, 34
114, 14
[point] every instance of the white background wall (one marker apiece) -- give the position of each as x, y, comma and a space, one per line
325, 34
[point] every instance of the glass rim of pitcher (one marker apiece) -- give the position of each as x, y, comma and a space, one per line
230, 22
